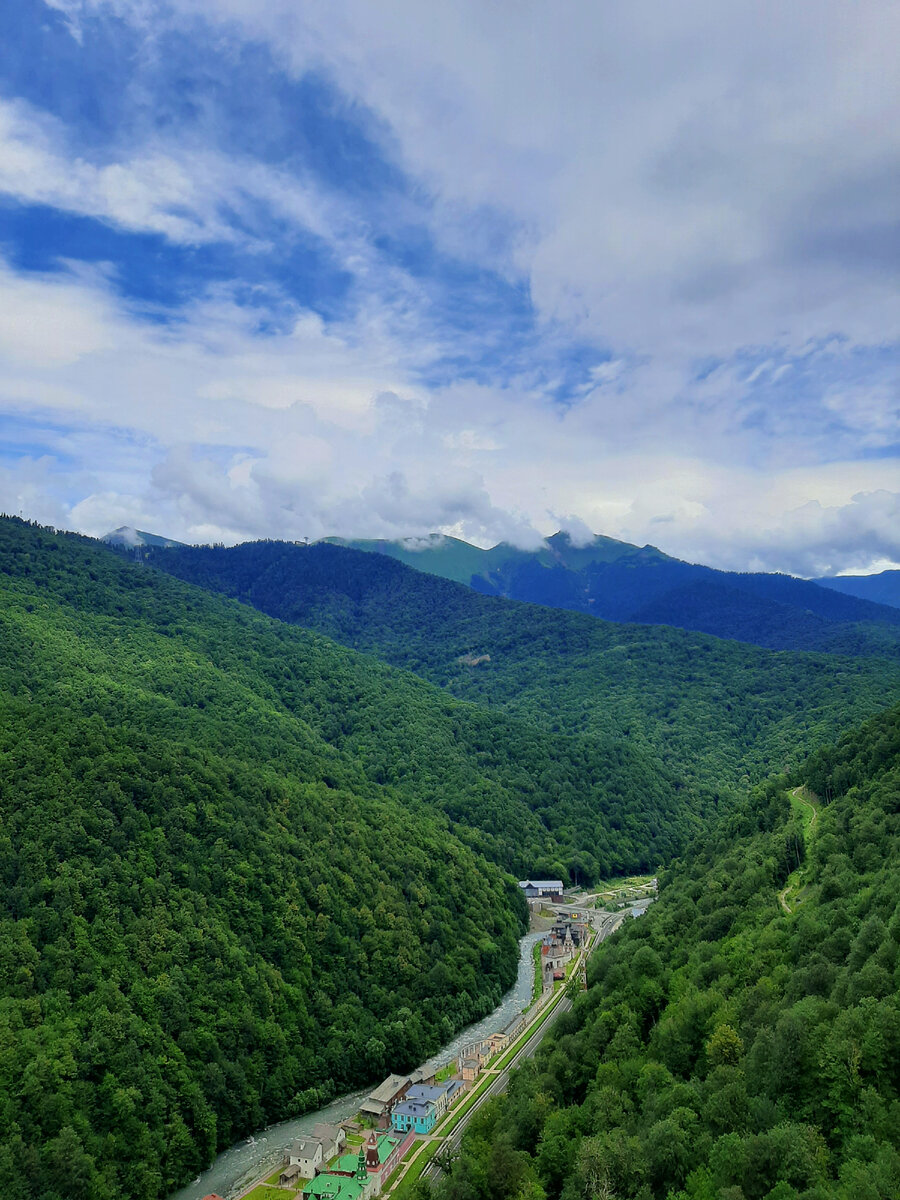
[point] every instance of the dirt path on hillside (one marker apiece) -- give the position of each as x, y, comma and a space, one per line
800, 796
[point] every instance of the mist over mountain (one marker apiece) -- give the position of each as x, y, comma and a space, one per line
132, 538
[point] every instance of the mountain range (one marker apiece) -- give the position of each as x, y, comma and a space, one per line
882, 588
710, 710
640, 584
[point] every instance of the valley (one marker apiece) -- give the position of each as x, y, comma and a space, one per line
716, 714
251, 860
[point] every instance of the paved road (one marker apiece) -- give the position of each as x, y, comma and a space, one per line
607, 924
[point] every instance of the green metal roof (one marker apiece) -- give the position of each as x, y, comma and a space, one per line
334, 1187
385, 1144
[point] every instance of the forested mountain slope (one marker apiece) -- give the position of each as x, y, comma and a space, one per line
728, 1049
495, 570
242, 867
713, 711
883, 588
620, 582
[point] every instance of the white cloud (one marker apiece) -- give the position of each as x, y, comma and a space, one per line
43, 321
685, 180
676, 186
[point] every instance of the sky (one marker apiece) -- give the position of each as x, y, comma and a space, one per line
481, 267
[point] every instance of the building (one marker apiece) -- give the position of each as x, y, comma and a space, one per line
291, 1176
332, 1138
514, 1028
496, 1042
469, 1068
428, 1071
419, 1116
480, 1050
547, 889
576, 931
379, 1104
304, 1160
441, 1095
307, 1156
339, 1187
380, 1153
553, 962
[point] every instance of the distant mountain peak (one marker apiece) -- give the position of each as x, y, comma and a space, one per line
127, 535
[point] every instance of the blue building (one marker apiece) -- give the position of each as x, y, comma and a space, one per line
417, 1115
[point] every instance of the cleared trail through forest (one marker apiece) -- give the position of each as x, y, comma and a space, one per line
802, 799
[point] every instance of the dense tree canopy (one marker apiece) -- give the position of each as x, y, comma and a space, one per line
716, 713
742, 1040
621, 582
242, 868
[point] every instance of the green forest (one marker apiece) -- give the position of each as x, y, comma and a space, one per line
742, 1040
244, 868
718, 714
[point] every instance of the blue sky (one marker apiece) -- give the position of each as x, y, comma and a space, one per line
281, 270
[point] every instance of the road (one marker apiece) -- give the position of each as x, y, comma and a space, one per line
607, 924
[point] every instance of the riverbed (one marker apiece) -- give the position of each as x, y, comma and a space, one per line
236, 1169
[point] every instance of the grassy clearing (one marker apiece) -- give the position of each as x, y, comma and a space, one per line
264, 1192
797, 886
803, 804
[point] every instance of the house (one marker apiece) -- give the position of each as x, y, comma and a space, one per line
455, 1089
416, 1115
379, 1104
332, 1138
441, 1095
548, 889
291, 1175
469, 1068
312, 1154
304, 1159
496, 1042
428, 1071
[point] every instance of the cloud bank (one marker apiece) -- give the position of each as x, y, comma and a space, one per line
281, 270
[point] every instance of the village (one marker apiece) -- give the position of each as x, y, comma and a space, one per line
364, 1156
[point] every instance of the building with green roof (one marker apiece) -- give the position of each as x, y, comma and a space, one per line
337, 1187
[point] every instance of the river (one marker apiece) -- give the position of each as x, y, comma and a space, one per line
236, 1169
